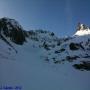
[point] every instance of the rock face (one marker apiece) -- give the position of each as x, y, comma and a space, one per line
11, 29
84, 65
75, 46
81, 27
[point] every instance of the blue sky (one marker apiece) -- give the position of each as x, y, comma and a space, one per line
58, 16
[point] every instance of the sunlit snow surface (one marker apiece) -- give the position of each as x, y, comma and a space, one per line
83, 32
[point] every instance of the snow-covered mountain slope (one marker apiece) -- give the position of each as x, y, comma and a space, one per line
41, 61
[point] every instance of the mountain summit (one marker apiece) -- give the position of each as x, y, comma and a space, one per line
82, 29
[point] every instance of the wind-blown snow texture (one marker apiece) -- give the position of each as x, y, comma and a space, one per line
44, 61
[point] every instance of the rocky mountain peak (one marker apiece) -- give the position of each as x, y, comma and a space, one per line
81, 26
82, 29
12, 29
10, 23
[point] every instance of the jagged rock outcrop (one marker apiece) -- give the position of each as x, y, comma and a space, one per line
81, 27
11, 29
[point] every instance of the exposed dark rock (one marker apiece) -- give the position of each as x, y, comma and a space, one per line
31, 32
58, 51
61, 50
86, 56
46, 46
75, 46
71, 58
14, 32
85, 65
17, 36
52, 34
